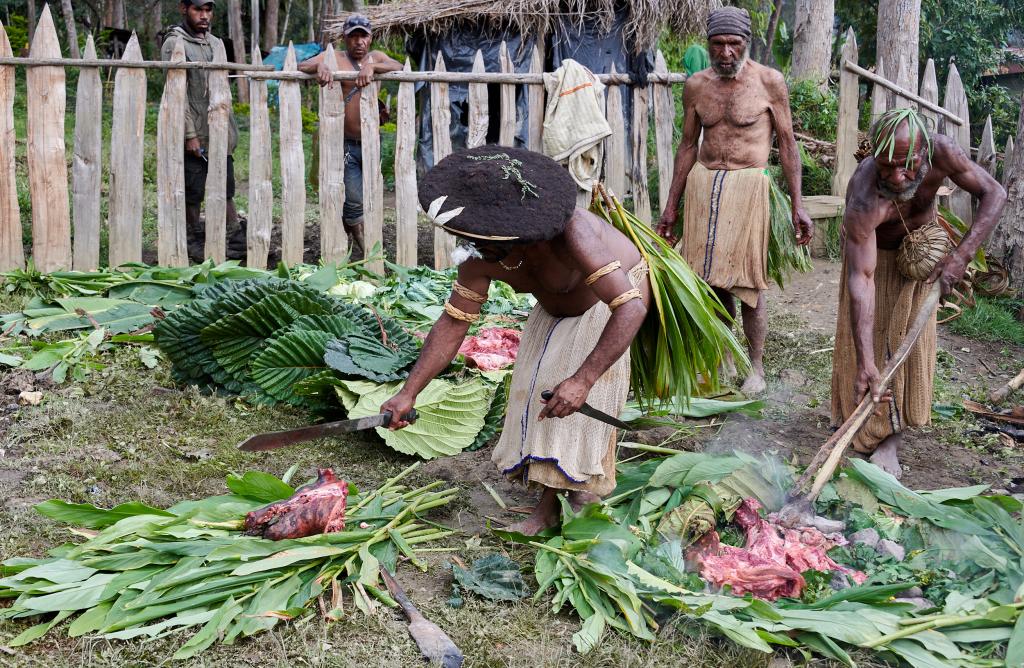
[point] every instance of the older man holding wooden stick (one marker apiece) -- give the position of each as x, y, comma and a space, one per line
894, 244
738, 104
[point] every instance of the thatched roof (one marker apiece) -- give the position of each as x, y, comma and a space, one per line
647, 17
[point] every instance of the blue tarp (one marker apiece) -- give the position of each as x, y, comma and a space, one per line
276, 58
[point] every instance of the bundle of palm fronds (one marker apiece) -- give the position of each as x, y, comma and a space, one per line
535, 17
686, 337
784, 256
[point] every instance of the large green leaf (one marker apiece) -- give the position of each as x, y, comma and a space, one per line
88, 515
260, 486
290, 358
116, 315
494, 577
451, 414
365, 358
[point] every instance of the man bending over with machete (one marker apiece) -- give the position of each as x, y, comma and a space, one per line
515, 212
891, 231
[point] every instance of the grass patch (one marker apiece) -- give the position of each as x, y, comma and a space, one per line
992, 319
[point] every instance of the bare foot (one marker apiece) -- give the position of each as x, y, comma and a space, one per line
727, 369
754, 384
578, 499
544, 515
886, 456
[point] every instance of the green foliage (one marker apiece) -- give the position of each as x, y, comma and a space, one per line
784, 256
815, 112
992, 319
883, 136
494, 577
17, 33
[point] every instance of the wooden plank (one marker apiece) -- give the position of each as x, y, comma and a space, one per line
507, 129
219, 118
373, 177
434, 76
406, 189
441, 118
664, 126
880, 98
987, 149
333, 240
171, 249
847, 140
12, 253
955, 101
261, 190
126, 151
86, 172
47, 166
899, 91
929, 91
1007, 161
641, 123
535, 104
293, 166
615, 144
479, 113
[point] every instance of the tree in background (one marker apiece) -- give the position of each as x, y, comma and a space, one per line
896, 41
812, 40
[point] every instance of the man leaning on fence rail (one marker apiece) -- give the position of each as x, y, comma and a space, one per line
199, 42
357, 57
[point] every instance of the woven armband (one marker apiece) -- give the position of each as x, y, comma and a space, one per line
459, 314
464, 292
627, 296
602, 272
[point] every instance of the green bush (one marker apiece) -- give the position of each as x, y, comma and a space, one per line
17, 33
817, 180
815, 112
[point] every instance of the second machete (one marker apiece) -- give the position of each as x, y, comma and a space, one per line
279, 439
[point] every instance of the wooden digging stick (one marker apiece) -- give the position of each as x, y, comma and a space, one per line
999, 394
832, 452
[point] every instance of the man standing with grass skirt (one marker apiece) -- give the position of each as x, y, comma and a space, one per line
890, 196
515, 212
738, 104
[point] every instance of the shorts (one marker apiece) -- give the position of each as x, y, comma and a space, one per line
195, 179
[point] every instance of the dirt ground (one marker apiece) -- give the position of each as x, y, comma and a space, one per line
129, 434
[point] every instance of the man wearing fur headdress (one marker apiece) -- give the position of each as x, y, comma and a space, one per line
738, 104
891, 200
515, 213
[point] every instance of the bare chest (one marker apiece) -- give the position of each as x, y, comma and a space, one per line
561, 290
736, 107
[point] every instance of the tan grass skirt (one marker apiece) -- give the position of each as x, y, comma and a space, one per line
576, 452
726, 225
897, 302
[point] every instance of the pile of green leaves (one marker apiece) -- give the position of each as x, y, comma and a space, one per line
150, 573
621, 564
684, 338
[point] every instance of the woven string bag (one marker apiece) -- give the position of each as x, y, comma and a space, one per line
921, 250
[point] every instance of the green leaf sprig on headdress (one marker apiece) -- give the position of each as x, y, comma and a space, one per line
883, 132
511, 169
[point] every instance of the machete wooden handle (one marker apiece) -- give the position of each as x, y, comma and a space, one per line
1004, 391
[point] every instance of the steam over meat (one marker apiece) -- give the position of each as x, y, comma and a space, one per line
491, 349
771, 564
313, 509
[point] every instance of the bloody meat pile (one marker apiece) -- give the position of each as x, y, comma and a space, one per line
316, 508
771, 564
491, 349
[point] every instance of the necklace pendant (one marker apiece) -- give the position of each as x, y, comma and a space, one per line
508, 268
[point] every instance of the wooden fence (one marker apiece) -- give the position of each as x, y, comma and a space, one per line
54, 224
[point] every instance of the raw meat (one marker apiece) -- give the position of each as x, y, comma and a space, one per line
316, 508
491, 349
771, 564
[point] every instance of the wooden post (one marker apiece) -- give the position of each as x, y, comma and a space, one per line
373, 177
254, 28
12, 253
333, 240
47, 166
261, 191
956, 102
664, 125
86, 172
987, 149
641, 122
293, 166
479, 113
217, 171
406, 191
507, 129
930, 91
880, 95
615, 144
849, 112
1006, 245
1007, 160
126, 152
535, 104
237, 33
441, 118
172, 249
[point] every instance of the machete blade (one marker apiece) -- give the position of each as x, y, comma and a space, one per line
280, 439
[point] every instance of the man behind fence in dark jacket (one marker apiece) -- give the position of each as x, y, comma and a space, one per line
194, 31
357, 57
